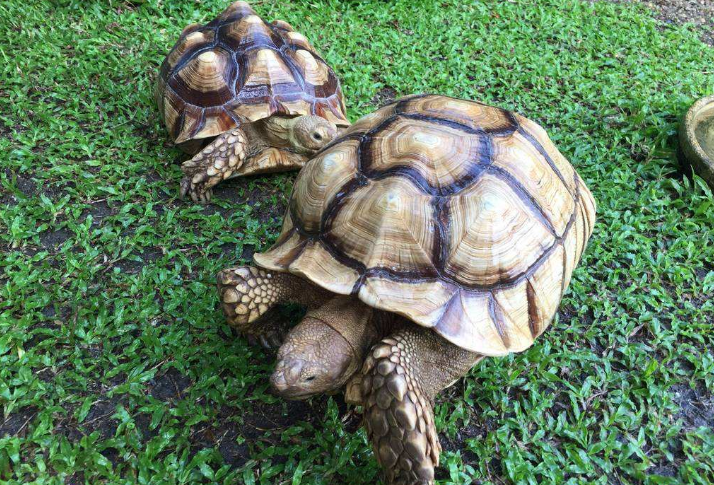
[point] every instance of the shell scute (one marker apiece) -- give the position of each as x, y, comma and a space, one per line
472, 115
297, 40
217, 120
399, 297
282, 25
206, 79
316, 263
369, 122
519, 158
246, 32
386, 224
440, 157
331, 109
538, 137
453, 214
494, 236
314, 72
190, 42
267, 69
546, 281
318, 186
239, 68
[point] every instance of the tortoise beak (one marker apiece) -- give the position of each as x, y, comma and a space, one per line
285, 379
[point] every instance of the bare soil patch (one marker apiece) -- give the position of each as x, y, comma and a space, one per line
698, 12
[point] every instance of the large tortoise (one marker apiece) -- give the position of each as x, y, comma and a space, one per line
248, 96
433, 233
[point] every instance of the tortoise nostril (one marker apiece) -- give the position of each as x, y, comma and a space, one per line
277, 380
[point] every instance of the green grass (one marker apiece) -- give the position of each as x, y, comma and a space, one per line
116, 365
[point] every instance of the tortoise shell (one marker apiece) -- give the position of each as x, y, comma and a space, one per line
238, 68
460, 216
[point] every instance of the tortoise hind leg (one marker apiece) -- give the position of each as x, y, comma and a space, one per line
218, 161
249, 294
400, 378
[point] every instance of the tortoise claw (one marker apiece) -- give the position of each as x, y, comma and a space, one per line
196, 190
264, 342
276, 339
270, 339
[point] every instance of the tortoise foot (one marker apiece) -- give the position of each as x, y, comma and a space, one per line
216, 162
246, 295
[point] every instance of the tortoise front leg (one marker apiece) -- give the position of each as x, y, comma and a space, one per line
218, 161
248, 294
400, 378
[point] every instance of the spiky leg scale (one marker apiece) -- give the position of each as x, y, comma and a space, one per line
398, 415
215, 163
249, 294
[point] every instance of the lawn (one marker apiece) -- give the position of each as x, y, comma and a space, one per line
116, 365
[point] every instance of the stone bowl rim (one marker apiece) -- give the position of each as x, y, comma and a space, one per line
691, 148
692, 119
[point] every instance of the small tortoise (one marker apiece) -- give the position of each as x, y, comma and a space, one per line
257, 93
433, 233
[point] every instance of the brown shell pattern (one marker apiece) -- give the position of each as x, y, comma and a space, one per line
239, 68
462, 217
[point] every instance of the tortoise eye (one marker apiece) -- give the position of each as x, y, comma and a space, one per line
310, 378
317, 136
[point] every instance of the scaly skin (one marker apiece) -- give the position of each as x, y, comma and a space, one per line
319, 355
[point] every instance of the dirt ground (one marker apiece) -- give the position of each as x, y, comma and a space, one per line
697, 12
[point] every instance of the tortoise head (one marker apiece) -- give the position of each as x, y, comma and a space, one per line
314, 359
304, 134
311, 133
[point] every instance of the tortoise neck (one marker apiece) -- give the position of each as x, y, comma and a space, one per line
359, 325
386, 323
379, 325
278, 130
